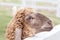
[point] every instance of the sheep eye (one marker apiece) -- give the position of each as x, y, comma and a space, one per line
30, 17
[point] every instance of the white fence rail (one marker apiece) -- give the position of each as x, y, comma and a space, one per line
54, 2
24, 4
8, 4
33, 4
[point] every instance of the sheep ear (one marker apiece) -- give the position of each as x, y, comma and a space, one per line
18, 33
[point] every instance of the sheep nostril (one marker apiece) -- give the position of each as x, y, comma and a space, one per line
49, 28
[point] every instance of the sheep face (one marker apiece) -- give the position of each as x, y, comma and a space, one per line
38, 21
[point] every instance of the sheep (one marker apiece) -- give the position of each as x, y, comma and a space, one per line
26, 23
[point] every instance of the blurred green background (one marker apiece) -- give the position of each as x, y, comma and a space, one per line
6, 15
